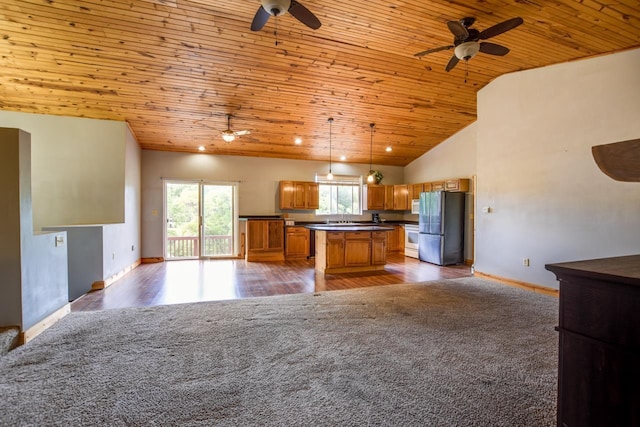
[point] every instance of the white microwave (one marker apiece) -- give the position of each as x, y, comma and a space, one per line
415, 206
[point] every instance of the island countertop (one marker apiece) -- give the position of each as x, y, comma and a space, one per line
347, 227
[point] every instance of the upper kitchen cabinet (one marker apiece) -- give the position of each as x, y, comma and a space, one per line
388, 197
374, 197
299, 195
401, 197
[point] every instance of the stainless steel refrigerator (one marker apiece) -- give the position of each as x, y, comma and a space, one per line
441, 227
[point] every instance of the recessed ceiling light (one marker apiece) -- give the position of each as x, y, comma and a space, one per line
343, 158
388, 149
201, 148
298, 141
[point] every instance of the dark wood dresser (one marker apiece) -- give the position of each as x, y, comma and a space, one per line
599, 342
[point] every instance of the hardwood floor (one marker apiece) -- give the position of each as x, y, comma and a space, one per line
175, 282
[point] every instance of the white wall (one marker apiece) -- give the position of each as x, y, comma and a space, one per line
122, 241
453, 158
258, 188
549, 201
77, 168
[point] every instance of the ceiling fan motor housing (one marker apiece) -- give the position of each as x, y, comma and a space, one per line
276, 7
467, 50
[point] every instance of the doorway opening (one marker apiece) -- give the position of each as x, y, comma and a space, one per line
200, 220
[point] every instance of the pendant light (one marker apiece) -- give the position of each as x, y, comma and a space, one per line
371, 178
330, 175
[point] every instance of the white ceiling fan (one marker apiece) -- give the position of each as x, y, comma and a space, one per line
229, 135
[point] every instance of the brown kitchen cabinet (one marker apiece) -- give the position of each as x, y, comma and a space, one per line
395, 239
357, 248
379, 247
388, 197
299, 195
265, 240
296, 242
375, 196
400, 197
335, 249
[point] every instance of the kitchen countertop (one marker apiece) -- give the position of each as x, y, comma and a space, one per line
347, 227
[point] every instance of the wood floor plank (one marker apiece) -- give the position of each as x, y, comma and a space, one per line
175, 282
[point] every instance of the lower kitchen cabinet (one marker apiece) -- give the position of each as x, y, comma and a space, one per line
350, 251
297, 242
265, 240
357, 249
395, 239
379, 247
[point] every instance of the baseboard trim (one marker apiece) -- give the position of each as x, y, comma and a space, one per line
45, 323
101, 284
152, 260
518, 284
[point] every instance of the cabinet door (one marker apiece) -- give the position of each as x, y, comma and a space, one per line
287, 191
255, 235
416, 189
438, 186
335, 253
392, 239
379, 248
375, 197
297, 243
275, 235
357, 253
313, 195
388, 197
299, 195
426, 186
400, 197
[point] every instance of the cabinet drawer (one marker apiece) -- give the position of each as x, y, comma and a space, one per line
335, 235
355, 235
379, 234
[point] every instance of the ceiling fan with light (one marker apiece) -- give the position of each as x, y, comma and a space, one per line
229, 135
466, 40
280, 7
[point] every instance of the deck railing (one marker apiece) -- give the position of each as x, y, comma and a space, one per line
189, 246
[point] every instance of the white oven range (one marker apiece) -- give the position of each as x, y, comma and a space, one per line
411, 240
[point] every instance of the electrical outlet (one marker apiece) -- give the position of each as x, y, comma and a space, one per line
525, 262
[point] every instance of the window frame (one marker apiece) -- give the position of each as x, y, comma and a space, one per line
354, 181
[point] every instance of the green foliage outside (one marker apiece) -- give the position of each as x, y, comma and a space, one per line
182, 216
339, 199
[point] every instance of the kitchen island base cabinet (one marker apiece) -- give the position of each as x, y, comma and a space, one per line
346, 252
265, 240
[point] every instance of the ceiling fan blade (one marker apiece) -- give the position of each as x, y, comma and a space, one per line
242, 132
437, 49
458, 30
261, 18
500, 28
493, 49
304, 15
452, 63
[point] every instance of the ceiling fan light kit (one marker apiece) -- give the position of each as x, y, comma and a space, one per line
280, 7
467, 50
466, 40
228, 135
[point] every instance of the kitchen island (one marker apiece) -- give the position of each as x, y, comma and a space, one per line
346, 248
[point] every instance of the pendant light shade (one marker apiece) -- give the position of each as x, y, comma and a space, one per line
371, 178
330, 174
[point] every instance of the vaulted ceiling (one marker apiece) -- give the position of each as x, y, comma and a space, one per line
173, 69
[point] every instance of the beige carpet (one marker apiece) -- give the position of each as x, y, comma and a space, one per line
462, 352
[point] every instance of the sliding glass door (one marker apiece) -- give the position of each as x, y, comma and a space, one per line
200, 220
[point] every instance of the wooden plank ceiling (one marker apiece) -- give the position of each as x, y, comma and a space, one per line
173, 69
